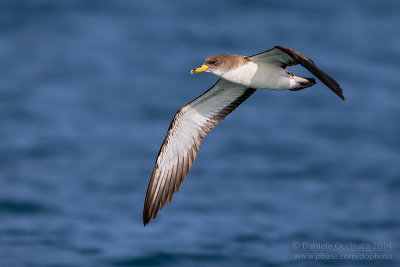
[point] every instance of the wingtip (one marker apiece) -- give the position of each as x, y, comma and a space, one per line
146, 216
340, 94
146, 220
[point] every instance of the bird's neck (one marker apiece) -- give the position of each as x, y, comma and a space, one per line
242, 75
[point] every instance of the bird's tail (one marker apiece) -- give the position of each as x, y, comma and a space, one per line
302, 82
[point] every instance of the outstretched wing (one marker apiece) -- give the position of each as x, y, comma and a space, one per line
190, 125
283, 56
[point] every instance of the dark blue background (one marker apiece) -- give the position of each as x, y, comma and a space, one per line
88, 89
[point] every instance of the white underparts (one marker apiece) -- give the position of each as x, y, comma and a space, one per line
242, 75
262, 76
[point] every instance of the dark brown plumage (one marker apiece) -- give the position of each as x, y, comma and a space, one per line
310, 65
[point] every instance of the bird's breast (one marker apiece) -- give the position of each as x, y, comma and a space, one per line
259, 76
242, 75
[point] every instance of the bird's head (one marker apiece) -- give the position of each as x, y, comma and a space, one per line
219, 64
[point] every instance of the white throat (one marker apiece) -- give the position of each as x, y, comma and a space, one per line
242, 75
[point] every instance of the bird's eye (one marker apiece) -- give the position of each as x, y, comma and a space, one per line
212, 62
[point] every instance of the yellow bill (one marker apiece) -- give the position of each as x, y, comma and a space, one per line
201, 69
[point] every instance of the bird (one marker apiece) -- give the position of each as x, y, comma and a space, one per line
239, 77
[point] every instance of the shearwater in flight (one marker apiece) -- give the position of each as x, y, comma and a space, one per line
240, 77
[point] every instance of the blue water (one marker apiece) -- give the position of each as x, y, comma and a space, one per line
87, 92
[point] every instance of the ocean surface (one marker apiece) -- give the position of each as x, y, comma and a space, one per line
88, 90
